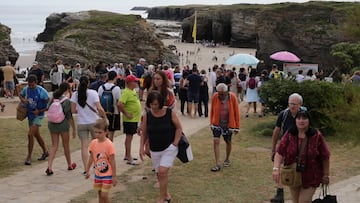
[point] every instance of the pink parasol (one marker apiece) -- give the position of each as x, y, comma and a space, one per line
285, 56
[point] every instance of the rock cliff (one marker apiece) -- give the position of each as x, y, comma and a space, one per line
306, 29
7, 52
91, 36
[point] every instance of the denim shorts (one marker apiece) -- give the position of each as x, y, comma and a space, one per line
10, 85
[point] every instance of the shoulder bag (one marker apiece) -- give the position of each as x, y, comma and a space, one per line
290, 175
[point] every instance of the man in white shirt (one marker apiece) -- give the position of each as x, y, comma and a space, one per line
112, 113
212, 79
300, 77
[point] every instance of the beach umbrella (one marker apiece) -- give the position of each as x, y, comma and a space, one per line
242, 59
285, 56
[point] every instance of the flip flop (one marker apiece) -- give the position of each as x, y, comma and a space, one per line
125, 159
133, 162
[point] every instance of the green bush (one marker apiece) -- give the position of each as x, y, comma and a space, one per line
332, 105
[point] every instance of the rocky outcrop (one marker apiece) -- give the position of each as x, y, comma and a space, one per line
7, 52
92, 36
306, 29
177, 13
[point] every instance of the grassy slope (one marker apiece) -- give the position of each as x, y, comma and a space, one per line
247, 180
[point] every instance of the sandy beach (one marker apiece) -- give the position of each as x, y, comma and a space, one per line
204, 58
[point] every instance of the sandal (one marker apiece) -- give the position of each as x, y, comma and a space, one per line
133, 162
43, 156
227, 163
216, 168
72, 167
27, 162
49, 172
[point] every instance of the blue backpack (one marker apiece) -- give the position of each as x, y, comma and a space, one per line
107, 100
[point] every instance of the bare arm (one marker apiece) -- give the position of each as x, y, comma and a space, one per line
73, 107
100, 110
121, 107
89, 164
276, 168
113, 166
143, 137
274, 138
326, 166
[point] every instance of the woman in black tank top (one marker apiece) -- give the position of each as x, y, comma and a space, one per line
162, 128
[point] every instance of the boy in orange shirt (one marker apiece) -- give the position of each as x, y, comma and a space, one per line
102, 154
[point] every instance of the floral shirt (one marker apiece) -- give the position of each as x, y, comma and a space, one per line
316, 151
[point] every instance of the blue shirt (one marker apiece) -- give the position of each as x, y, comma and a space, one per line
37, 99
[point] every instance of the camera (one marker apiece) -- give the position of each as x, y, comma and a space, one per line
300, 167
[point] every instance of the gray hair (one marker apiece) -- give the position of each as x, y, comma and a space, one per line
221, 87
297, 96
8, 63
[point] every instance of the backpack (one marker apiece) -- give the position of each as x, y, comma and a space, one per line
55, 112
107, 100
252, 83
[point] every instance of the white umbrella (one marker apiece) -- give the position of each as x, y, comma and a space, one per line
242, 59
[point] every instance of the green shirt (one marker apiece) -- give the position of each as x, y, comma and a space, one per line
132, 105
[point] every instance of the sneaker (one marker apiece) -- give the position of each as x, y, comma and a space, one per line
227, 163
27, 162
72, 167
43, 156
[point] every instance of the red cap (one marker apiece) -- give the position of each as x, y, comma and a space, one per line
131, 78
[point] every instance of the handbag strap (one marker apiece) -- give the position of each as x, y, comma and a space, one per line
298, 157
92, 109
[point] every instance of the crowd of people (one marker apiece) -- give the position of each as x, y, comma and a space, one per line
107, 96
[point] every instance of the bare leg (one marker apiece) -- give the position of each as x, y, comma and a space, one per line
254, 107
163, 180
128, 141
104, 197
84, 150
217, 150
195, 109
38, 137
30, 144
53, 149
228, 150
110, 135
65, 137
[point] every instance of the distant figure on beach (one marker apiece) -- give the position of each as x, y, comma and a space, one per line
310, 75
203, 95
60, 68
299, 77
35, 98
102, 158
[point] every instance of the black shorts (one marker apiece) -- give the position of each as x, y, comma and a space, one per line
130, 127
114, 122
227, 134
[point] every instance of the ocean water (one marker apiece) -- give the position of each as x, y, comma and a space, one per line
27, 18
